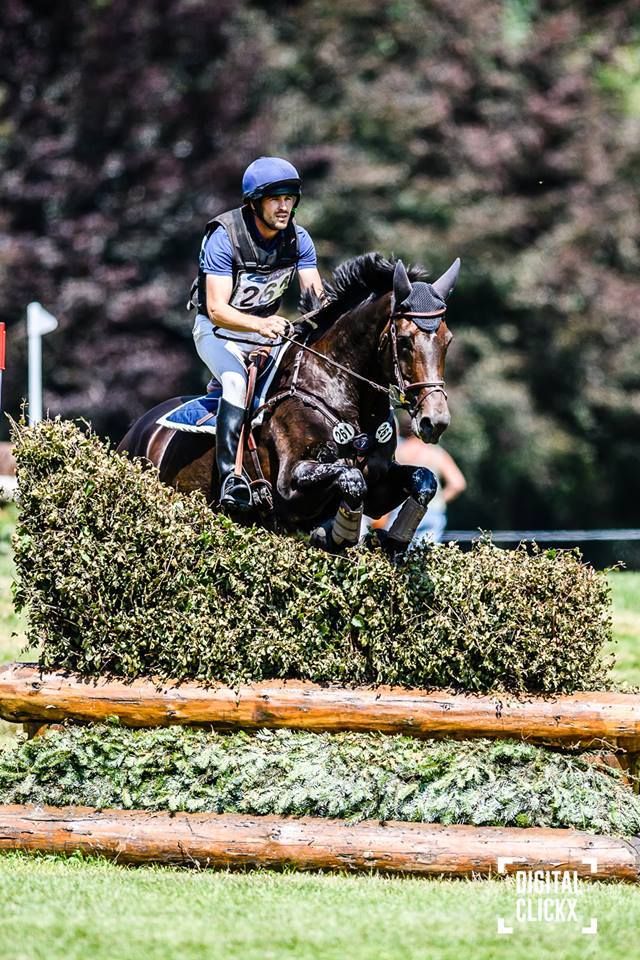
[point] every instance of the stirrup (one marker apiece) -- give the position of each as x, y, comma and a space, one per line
235, 494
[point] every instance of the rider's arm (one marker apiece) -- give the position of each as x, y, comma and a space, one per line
308, 276
222, 314
310, 279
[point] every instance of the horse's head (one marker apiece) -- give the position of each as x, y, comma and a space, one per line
415, 341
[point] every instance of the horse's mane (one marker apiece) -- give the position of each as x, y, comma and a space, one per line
355, 280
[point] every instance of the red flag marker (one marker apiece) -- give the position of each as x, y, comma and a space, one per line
3, 345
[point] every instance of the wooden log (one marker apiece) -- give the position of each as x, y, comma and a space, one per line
312, 843
585, 719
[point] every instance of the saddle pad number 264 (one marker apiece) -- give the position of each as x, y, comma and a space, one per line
260, 289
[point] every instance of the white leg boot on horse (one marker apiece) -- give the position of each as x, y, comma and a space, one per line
423, 488
343, 530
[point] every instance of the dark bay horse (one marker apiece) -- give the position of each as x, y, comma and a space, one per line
325, 446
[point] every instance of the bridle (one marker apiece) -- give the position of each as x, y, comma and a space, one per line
400, 392
423, 388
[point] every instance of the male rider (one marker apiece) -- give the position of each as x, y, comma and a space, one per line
247, 260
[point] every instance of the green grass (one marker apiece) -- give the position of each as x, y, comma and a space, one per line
625, 588
52, 908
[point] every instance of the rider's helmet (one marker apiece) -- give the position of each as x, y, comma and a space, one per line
270, 177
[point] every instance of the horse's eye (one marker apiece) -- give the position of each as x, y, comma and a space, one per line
405, 343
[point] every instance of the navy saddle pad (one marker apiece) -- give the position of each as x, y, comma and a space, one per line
198, 414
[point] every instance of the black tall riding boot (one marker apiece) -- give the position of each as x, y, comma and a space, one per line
235, 494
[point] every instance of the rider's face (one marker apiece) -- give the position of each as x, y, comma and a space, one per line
277, 210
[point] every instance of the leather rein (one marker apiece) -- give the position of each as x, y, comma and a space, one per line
403, 390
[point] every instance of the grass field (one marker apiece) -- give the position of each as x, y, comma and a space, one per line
52, 908
625, 588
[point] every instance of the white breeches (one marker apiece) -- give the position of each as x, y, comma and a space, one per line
226, 359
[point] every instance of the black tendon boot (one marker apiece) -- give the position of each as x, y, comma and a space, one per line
235, 494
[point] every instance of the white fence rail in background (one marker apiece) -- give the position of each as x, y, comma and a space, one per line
543, 536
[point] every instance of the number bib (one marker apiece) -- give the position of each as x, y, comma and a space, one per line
260, 289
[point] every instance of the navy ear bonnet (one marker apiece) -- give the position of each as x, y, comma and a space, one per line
423, 299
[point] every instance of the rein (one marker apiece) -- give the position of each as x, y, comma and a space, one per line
399, 392
338, 366
401, 389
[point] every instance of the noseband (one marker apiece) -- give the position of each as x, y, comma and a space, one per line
423, 388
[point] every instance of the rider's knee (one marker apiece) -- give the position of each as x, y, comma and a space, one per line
234, 388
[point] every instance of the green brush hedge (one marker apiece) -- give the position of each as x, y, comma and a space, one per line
120, 575
347, 775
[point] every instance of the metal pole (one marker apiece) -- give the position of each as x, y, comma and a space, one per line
39, 322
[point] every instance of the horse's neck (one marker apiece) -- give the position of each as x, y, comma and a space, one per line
353, 342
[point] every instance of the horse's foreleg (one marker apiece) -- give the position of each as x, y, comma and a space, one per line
324, 481
417, 486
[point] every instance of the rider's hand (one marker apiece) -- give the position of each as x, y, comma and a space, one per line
273, 327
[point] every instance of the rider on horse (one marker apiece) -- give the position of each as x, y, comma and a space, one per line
247, 260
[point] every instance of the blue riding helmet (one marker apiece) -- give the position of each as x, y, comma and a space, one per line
270, 177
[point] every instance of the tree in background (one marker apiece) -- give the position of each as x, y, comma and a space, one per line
505, 132
125, 126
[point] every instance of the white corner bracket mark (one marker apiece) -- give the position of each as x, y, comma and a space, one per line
39, 322
503, 863
592, 929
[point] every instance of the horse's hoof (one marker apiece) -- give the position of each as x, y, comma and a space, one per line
319, 537
392, 547
322, 539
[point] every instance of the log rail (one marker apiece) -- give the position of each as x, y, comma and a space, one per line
588, 719
313, 843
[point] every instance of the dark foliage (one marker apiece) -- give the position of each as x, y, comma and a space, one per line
506, 132
125, 124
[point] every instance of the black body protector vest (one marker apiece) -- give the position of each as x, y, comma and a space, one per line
260, 277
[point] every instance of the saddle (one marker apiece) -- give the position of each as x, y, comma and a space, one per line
199, 414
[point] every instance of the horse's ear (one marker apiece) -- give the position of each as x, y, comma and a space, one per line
401, 283
444, 285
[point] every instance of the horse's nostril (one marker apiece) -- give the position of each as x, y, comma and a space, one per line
426, 428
